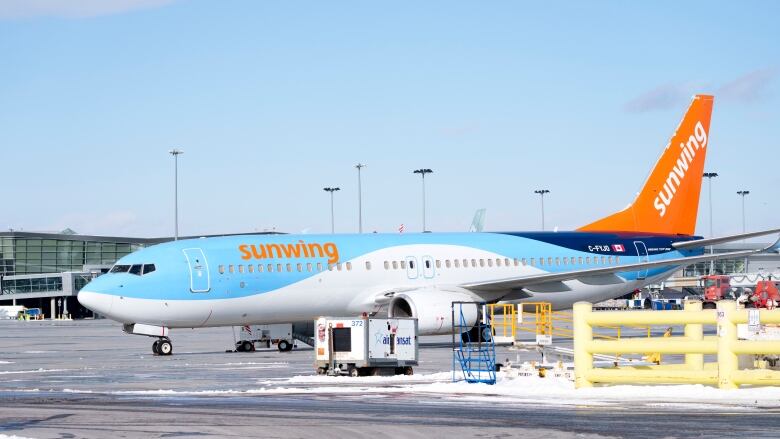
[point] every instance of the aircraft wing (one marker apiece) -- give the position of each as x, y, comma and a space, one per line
538, 279
699, 243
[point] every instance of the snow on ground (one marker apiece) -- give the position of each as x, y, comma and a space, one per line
520, 390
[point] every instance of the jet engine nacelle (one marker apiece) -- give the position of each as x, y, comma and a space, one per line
433, 309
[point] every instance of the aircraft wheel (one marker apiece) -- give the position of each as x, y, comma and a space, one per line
155, 347
284, 346
164, 347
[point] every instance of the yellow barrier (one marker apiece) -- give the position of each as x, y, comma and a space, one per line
693, 344
504, 328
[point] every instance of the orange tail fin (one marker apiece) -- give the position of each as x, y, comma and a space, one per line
669, 200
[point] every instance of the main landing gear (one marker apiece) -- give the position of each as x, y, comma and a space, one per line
162, 346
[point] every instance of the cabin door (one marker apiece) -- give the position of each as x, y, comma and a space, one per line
641, 251
200, 281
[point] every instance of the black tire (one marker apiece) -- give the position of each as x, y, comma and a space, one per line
321, 371
353, 371
284, 346
155, 349
408, 370
165, 347
247, 346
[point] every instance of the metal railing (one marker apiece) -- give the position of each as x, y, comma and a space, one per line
693, 345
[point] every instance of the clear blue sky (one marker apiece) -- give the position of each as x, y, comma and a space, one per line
272, 101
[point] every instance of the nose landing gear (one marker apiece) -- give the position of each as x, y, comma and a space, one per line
162, 346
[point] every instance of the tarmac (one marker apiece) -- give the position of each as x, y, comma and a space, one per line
74, 379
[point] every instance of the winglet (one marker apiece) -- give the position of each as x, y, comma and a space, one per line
669, 200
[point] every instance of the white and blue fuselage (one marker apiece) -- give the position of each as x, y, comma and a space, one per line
277, 278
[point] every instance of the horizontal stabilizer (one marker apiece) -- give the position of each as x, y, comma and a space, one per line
699, 243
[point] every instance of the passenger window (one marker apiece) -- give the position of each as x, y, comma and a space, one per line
279, 268
331, 267
457, 263
517, 262
579, 260
447, 263
506, 262
349, 266
489, 262
557, 261
387, 265
240, 268
221, 269
549, 261
438, 263
319, 266
260, 268
473, 262
338, 266
523, 262
148, 268
533, 262
465, 263
395, 265
427, 263
603, 260
136, 269
617, 260
368, 265
610, 260
250, 268
541, 261
308, 267
587, 260
231, 269
270, 268
299, 267
403, 264
565, 260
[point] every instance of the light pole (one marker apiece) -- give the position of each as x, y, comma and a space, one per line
360, 166
742, 193
710, 176
175, 153
332, 220
422, 173
541, 193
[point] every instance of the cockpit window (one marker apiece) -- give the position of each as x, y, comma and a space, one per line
136, 269
119, 269
148, 268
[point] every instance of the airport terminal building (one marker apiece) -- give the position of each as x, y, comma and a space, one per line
46, 270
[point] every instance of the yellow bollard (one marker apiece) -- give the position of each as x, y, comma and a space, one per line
694, 332
583, 336
727, 336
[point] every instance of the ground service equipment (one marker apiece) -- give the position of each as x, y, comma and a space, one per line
252, 336
365, 346
716, 287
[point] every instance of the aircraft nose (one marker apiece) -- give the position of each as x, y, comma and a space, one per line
97, 302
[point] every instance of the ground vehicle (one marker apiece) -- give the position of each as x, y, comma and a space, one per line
265, 335
765, 295
11, 312
365, 346
716, 287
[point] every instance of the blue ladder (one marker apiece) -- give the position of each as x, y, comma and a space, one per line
474, 350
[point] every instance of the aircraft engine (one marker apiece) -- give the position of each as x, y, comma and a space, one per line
433, 309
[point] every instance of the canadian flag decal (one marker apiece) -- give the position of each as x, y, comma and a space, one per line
618, 248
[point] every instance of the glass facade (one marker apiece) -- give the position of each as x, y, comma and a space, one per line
35, 285
32, 255
722, 266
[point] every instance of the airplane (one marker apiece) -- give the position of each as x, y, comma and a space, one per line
280, 278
